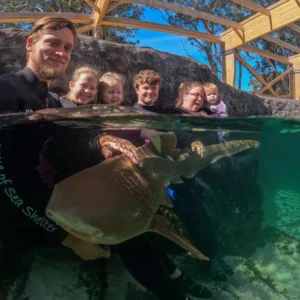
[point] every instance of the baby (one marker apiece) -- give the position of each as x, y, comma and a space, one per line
213, 100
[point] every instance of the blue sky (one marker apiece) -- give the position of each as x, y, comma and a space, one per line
174, 44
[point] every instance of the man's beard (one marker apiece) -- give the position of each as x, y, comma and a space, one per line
44, 71
47, 72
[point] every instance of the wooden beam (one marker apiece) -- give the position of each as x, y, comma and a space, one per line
295, 77
16, 17
84, 28
258, 76
264, 53
282, 14
281, 76
229, 70
295, 27
187, 11
92, 5
253, 6
102, 5
281, 43
126, 22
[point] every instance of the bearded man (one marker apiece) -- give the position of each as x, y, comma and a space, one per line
49, 47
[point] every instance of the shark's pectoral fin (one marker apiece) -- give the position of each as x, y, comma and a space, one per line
160, 225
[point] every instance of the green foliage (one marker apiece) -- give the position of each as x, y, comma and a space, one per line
117, 34
121, 34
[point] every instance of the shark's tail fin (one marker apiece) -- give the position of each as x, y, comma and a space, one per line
193, 163
168, 170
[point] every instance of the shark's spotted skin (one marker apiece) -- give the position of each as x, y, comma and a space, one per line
117, 199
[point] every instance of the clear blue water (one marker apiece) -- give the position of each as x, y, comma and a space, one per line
254, 204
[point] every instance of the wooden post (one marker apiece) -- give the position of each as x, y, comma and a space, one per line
295, 77
98, 16
228, 72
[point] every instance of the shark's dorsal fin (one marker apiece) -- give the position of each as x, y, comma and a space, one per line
164, 170
163, 142
168, 142
153, 136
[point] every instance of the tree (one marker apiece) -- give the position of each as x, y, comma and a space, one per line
222, 8
269, 69
120, 35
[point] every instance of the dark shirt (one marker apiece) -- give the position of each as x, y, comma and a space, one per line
150, 110
182, 110
23, 196
24, 92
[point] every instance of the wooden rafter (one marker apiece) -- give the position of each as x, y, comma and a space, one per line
281, 76
264, 53
295, 27
126, 22
102, 5
187, 11
84, 28
281, 43
282, 14
258, 76
253, 6
15, 17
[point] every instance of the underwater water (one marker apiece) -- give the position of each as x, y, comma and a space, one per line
244, 207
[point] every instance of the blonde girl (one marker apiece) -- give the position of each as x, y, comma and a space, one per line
83, 86
111, 88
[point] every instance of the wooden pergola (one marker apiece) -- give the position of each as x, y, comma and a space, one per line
265, 20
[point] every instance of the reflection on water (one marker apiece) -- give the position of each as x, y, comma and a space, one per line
242, 211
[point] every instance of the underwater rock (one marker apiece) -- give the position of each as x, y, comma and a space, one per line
58, 274
265, 275
55, 274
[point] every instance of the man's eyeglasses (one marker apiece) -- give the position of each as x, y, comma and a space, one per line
197, 95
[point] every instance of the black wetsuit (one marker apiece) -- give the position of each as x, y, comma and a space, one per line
23, 92
150, 110
23, 197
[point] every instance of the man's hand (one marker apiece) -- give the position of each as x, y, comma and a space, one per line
111, 145
85, 250
198, 147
